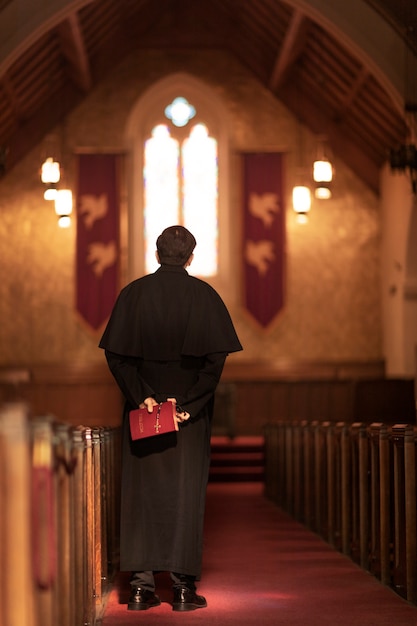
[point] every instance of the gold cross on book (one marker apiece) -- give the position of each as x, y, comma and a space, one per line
157, 425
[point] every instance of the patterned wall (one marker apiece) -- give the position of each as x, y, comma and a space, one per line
332, 306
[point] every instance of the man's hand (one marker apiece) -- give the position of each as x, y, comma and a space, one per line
149, 403
181, 416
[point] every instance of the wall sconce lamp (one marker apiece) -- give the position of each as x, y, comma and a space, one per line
301, 202
63, 207
322, 173
50, 175
301, 194
404, 158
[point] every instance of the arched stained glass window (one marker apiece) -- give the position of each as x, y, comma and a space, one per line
161, 187
181, 187
199, 158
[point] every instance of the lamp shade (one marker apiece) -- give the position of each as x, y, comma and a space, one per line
323, 176
50, 191
64, 221
301, 202
50, 171
322, 191
63, 207
322, 171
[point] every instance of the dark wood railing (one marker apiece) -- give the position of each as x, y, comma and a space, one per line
58, 519
355, 486
261, 387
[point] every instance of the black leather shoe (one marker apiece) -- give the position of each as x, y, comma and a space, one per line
187, 600
142, 599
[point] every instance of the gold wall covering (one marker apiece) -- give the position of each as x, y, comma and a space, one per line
332, 280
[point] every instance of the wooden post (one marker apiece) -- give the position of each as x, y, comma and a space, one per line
355, 492
380, 502
44, 519
385, 512
106, 495
282, 452
89, 503
297, 471
345, 488
375, 537
318, 478
364, 521
331, 501
411, 512
289, 474
80, 554
399, 563
307, 517
99, 538
16, 562
64, 589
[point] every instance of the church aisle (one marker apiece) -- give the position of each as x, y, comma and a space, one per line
261, 567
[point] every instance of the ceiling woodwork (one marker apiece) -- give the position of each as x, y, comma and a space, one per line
301, 63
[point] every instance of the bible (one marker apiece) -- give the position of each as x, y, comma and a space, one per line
162, 420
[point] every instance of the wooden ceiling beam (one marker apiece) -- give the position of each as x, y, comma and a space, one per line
73, 49
359, 162
29, 135
292, 47
11, 96
350, 97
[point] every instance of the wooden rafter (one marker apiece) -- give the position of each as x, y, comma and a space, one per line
292, 47
74, 51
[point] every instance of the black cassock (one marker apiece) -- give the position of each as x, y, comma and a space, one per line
168, 336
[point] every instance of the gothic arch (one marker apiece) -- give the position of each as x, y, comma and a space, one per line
143, 117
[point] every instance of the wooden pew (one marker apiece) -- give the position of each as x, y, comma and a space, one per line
355, 486
58, 493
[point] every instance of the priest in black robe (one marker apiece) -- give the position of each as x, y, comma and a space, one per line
168, 337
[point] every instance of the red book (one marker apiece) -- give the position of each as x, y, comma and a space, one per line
161, 420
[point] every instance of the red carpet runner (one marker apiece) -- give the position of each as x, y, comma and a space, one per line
263, 569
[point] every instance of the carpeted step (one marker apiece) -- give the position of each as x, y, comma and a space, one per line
234, 459
237, 444
237, 460
236, 474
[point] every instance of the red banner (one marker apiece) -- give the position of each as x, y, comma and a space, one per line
97, 259
264, 235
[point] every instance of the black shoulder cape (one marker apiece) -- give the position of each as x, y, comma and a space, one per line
169, 314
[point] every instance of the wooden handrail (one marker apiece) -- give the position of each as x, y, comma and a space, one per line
235, 369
